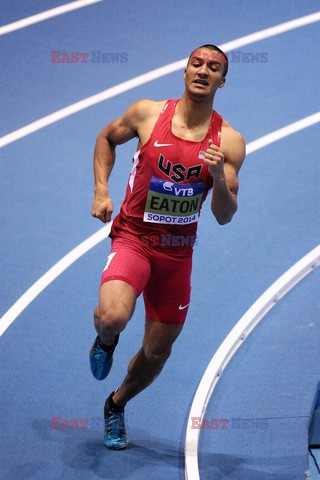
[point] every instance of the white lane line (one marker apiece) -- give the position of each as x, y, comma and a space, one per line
148, 77
283, 132
85, 246
90, 101
51, 275
39, 17
272, 31
230, 345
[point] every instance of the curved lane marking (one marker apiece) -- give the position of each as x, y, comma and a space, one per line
231, 344
18, 307
150, 76
40, 17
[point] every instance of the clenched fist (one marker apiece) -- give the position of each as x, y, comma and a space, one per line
214, 158
102, 207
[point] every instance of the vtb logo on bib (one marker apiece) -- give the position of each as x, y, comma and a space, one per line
173, 203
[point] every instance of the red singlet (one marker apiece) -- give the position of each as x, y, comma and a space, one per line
154, 233
168, 184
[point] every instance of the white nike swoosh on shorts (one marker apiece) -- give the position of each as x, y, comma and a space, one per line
156, 144
183, 307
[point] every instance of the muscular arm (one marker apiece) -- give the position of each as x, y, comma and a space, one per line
224, 168
117, 132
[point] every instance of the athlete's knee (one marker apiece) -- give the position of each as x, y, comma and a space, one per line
115, 317
157, 354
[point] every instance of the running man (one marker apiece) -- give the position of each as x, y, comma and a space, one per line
184, 149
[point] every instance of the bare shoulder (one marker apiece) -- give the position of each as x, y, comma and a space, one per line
233, 144
141, 111
141, 117
230, 135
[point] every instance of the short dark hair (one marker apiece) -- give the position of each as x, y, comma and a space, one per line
209, 46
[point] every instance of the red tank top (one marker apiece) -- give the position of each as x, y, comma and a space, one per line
167, 186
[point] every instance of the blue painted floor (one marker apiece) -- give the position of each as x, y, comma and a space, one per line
46, 189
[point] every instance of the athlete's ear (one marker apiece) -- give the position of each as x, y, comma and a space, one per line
222, 83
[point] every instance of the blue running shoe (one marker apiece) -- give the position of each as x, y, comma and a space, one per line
101, 360
115, 436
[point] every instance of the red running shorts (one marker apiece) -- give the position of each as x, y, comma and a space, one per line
164, 280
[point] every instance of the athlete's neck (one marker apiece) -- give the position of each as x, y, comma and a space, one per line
194, 112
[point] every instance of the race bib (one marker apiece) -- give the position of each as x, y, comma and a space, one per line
173, 203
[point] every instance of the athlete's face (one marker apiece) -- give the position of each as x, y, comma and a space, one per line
204, 73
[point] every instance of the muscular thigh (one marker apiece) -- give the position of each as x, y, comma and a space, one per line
117, 298
125, 275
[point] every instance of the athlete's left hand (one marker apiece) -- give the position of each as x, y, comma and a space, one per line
214, 158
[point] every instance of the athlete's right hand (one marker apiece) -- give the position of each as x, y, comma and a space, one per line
102, 207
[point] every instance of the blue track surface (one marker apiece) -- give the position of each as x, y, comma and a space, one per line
46, 193
267, 394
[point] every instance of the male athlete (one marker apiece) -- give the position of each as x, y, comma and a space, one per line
184, 149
